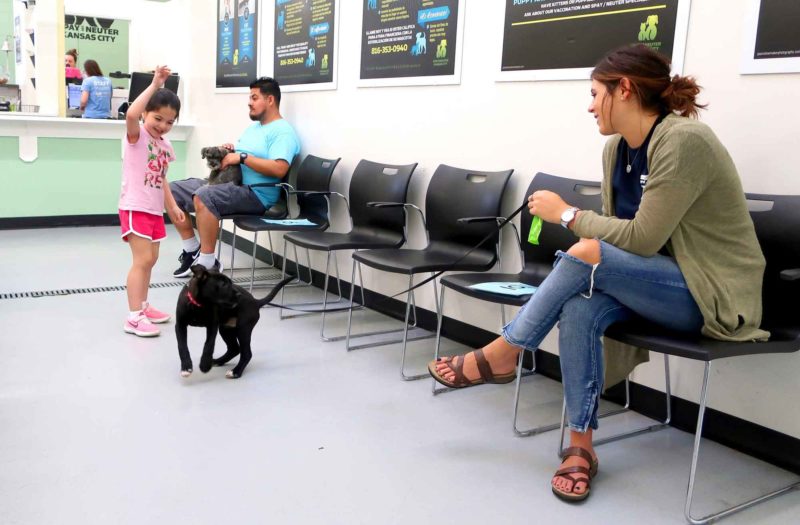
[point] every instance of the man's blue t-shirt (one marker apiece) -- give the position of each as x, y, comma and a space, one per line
99, 103
276, 141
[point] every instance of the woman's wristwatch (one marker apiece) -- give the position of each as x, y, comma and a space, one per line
568, 216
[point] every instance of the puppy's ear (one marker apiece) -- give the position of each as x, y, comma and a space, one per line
200, 272
203, 152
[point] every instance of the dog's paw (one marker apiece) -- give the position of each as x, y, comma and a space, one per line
230, 374
186, 373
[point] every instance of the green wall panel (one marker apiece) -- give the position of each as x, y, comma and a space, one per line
70, 177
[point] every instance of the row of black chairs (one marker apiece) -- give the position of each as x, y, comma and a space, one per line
463, 207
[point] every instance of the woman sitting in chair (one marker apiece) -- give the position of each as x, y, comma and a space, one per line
675, 246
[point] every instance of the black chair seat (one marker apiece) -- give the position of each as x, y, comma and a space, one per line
256, 224
462, 284
435, 257
358, 239
698, 347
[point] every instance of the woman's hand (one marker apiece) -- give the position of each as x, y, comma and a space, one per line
178, 213
230, 159
160, 75
547, 205
228, 146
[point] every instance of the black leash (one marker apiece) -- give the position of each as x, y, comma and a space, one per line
452, 265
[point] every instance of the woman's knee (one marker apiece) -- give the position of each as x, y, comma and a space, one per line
587, 250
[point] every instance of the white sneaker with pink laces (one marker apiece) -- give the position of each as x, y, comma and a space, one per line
141, 327
155, 316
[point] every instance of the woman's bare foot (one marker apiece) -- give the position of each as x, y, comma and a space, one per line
501, 355
576, 483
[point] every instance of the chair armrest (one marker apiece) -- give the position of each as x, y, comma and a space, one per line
790, 275
298, 192
470, 220
385, 204
262, 184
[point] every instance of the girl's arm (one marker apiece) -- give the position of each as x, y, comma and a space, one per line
137, 107
169, 203
84, 99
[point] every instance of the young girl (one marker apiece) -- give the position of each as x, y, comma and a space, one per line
145, 194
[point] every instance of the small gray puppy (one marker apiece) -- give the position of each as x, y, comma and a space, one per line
218, 175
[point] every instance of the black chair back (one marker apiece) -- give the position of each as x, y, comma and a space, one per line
455, 193
582, 194
376, 182
314, 174
777, 223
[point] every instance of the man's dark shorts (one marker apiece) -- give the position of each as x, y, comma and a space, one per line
220, 199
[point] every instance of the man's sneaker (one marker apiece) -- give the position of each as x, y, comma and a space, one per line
141, 327
187, 260
155, 316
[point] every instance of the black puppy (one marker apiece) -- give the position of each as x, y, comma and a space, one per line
211, 299
219, 175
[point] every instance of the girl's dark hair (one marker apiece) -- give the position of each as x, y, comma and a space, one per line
649, 74
92, 68
164, 97
74, 54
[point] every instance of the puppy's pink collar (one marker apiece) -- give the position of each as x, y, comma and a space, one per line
192, 300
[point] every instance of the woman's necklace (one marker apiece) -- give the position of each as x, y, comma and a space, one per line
628, 168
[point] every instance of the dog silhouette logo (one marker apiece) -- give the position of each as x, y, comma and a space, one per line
312, 58
372, 4
421, 47
648, 29
441, 49
236, 57
324, 61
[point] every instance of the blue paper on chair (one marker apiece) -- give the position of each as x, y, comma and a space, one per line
514, 289
289, 222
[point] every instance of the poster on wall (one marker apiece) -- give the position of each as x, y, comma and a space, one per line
237, 43
564, 39
772, 37
304, 56
411, 42
104, 40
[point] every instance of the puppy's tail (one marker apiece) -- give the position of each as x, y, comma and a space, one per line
272, 293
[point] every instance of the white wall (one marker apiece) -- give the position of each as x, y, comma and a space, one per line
530, 127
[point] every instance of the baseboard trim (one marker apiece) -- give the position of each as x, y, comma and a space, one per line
754, 440
60, 221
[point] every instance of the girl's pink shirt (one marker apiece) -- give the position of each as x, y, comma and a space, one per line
144, 173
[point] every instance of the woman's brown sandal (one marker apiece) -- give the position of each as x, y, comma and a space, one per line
485, 371
567, 472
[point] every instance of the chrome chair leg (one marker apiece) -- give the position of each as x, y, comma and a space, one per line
435, 389
417, 333
687, 511
409, 303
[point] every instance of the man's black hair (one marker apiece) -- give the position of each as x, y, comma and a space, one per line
268, 86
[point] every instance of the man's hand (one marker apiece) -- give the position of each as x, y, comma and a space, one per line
547, 205
160, 75
230, 159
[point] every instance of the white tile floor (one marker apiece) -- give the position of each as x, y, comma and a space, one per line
97, 427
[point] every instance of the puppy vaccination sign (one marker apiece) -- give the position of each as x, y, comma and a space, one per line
564, 39
411, 42
304, 51
237, 43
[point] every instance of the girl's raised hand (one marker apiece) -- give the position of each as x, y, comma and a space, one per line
160, 75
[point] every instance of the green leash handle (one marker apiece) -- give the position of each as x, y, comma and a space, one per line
536, 229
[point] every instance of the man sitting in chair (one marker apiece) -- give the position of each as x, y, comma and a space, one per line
265, 151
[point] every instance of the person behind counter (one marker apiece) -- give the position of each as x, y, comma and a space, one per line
72, 73
95, 92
